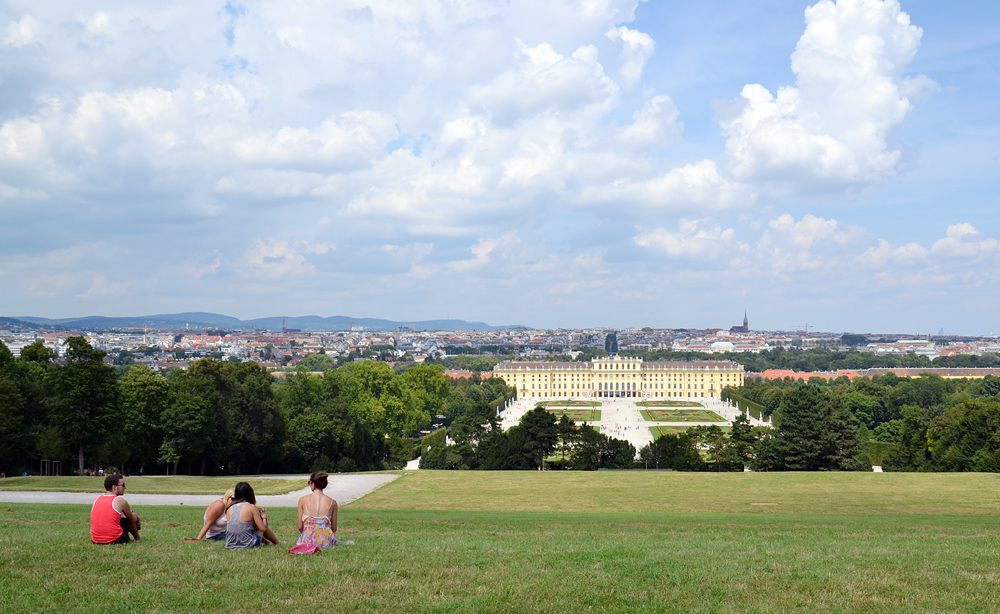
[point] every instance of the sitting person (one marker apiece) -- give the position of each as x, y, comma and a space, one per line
318, 516
111, 518
246, 523
215, 519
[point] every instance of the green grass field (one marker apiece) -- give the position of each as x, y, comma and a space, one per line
659, 431
551, 542
681, 415
570, 403
181, 485
669, 404
576, 415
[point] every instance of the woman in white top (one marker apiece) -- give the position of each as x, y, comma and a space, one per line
215, 519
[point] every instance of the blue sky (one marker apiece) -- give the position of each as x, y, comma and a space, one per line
594, 163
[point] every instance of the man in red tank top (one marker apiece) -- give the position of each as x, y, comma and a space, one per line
111, 518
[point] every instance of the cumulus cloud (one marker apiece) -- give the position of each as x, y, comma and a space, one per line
694, 239
318, 146
653, 127
24, 32
482, 251
964, 242
886, 253
834, 127
961, 246
692, 186
637, 48
810, 244
545, 81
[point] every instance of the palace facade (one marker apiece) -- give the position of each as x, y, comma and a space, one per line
617, 376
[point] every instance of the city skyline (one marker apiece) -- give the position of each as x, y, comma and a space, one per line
610, 164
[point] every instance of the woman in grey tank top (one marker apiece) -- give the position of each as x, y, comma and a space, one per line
247, 526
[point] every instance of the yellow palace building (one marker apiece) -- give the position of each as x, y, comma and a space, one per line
616, 376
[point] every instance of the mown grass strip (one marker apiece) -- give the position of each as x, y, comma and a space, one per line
180, 485
641, 491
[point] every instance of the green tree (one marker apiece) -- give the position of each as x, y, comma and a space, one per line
801, 428
84, 402
318, 362
37, 352
257, 425
540, 433
678, 452
324, 431
196, 423
11, 423
714, 440
587, 450
145, 395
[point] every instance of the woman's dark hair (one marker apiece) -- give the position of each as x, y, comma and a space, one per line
319, 479
244, 492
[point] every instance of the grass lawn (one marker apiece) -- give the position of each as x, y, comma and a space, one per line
681, 415
577, 415
550, 542
181, 485
658, 431
669, 404
570, 403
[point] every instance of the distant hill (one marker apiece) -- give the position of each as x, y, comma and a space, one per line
17, 324
201, 320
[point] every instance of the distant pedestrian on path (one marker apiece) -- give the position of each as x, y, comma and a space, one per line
111, 518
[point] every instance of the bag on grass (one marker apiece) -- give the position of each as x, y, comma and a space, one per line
304, 549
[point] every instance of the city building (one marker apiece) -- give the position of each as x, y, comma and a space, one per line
618, 376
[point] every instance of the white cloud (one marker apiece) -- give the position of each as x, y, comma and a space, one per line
544, 82
653, 127
637, 48
694, 239
963, 242
482, 251
24, 32
961, 246
810, 230
692, 186
833, 127
886, 253
810, 244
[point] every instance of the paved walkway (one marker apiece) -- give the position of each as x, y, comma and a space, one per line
343, 488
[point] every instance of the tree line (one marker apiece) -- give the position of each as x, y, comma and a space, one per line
814, 432
220, 417
540, 440
927, 423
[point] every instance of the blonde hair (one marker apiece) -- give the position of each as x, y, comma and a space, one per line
229, 495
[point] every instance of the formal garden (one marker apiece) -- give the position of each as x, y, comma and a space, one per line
681, 415
669, 404
575, 414
659, 431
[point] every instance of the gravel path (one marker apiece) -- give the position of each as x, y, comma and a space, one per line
343, 488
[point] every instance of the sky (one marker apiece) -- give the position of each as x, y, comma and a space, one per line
571, 163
